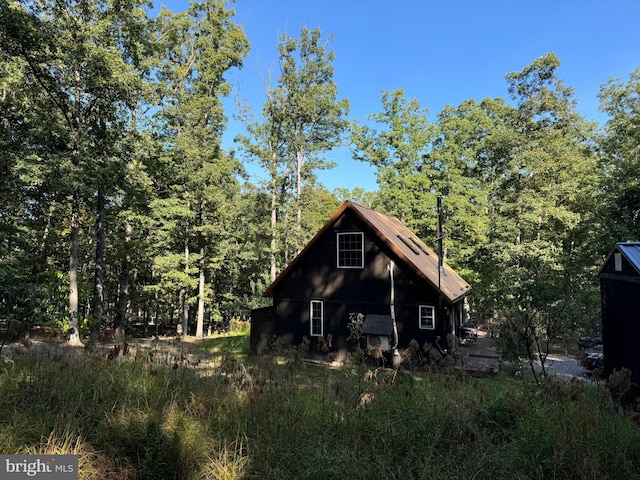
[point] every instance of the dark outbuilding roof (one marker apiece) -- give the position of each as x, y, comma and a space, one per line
411, 251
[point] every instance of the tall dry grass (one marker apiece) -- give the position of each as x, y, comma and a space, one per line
154, 416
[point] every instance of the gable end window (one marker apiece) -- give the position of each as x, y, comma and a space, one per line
316, 314
617, 260
350, 250
427, 317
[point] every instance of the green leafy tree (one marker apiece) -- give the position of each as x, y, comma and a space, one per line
318, 205
620, 147
200, 46
301, 119
30, 207
464, 175
72, 52
357, 195
265, 143
314, 115
397, 141
551, 171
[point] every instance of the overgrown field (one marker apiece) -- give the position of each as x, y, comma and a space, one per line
157, 413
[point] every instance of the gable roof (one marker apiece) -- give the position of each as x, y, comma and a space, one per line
631, 251
412, 252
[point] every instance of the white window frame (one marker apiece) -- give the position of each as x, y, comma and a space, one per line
338, 250
313, 320
432, 313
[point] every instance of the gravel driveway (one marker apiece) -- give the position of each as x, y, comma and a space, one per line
566, 366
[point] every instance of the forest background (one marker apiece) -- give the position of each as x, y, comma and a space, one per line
121, 206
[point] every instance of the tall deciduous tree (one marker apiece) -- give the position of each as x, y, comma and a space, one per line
29, 192
201, 44
550, 173
72, 50
314, 115
265, 142
621, 156
302, 118
397, 141
461, 156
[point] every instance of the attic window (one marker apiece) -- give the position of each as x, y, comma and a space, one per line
617, 260
350, 250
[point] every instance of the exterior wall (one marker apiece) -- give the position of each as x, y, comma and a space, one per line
344, 291
620, 293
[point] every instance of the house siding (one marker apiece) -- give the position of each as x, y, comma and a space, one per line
349, 290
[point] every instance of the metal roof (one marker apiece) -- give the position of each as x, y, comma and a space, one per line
412, 251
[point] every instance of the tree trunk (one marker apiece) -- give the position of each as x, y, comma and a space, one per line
98, 281
41, 264
125, 280
298, 236
274, 220
200, 322
184, 293
74, 325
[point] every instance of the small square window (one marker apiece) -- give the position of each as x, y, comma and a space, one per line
427, 320
350, 250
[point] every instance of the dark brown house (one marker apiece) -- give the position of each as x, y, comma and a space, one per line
365, 262
620, 293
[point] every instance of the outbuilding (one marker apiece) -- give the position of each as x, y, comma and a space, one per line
620, 294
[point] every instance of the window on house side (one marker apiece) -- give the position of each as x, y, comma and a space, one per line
317, 318
427, 320
350, 250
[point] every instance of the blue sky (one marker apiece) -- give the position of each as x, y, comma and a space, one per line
440, 52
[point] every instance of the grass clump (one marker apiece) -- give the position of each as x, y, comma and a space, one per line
152, 416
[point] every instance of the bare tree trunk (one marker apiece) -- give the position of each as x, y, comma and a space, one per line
184, 293
125, 280
74, 325
42, 249
274, 220
298, 237
200, 322
98, 281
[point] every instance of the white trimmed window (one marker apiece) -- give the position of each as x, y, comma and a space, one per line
316, 314
350, 250
427, 320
